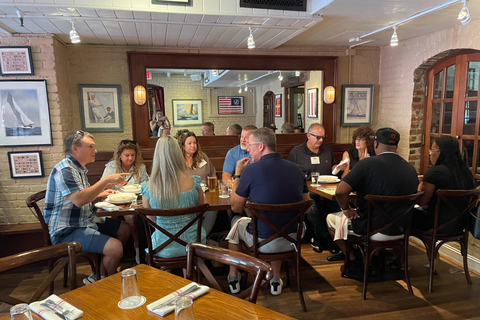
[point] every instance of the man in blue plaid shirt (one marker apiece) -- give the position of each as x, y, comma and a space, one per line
69, 203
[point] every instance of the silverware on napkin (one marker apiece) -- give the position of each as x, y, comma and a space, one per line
54, 311
172, 300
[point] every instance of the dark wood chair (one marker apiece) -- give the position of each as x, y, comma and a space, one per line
394, 219
151, 226
294, 254
65, 256
197, 252
92, 258
434, 238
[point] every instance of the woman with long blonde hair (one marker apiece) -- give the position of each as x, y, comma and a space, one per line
171, 186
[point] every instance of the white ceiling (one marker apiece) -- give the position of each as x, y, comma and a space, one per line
223, 24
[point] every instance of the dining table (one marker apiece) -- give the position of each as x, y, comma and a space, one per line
327, 190
99, 300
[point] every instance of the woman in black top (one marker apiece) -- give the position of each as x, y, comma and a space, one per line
449, 171
363, 139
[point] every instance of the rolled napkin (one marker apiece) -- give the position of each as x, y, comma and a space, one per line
166, 304
107, 206
336, 170
48, 314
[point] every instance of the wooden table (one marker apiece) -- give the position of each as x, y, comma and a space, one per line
327, 190
99, 299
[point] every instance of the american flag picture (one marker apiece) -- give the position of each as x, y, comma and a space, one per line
312, 107
229, 105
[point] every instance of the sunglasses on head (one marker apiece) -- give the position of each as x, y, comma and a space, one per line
128, 141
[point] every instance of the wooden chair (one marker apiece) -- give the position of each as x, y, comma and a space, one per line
434, 238
396, 219
197, 252
64, 254
294, 254
92, 258
151, 226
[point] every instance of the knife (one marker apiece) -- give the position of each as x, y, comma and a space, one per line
53, 310
192, 289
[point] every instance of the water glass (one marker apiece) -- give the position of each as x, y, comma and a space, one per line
223, 189
184, 309
315, 176
20, 312
130, 293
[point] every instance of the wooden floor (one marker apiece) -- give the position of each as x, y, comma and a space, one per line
328, 296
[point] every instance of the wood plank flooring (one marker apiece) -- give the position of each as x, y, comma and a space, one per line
328, 296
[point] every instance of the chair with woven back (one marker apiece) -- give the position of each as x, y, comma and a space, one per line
92, 258
292, 255
394, 219
150, 226
434, 238
197, 253
65, 256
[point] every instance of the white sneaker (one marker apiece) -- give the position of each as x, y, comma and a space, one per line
90, 279
276, 285
234, 283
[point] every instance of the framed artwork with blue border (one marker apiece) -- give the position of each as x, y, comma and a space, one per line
100, 107
357, 104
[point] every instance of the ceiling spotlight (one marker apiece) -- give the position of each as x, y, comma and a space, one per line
394, 39
280, 77
297, 73
246, 88
464, 14
20, 16
250, 41
168, 74
74, 37
240, 89
185, 73
214, 73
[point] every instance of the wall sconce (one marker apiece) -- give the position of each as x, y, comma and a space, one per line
140, 95
329, 95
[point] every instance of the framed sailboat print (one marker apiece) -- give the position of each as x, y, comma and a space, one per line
24, 116
187, 112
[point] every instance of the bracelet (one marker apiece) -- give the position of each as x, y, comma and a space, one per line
346, 210
235, 176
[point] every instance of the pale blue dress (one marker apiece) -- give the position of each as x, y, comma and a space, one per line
176, 223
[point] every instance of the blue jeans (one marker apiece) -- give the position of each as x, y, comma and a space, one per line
317, 216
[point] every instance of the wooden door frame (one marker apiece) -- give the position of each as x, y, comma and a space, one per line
138, 62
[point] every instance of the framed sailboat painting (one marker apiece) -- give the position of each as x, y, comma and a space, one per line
24, 116
187, 112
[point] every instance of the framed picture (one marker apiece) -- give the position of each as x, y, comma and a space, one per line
16, 61
25, 164
24, 116
357, 104
173, 2
230, 105
278, 105
100, 107
187, 112
312, 105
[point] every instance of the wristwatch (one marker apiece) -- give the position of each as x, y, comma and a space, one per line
345, 210
235, 176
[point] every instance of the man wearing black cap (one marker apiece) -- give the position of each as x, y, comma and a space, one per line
386, 174
271, 126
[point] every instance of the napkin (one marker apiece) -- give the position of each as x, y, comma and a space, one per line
341, 229
48, 314
107, 206
336, 170
169, 308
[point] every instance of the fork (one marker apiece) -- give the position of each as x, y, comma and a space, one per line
172, 300
57, 308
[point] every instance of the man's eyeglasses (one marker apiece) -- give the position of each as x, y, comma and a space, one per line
128, 141
252, 143
317, 136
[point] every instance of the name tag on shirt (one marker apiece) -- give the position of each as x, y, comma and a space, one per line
202, 163
314, 160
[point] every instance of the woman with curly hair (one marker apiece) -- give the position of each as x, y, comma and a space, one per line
362, 140
198, 164
128, 158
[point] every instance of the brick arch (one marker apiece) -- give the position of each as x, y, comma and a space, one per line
419, 104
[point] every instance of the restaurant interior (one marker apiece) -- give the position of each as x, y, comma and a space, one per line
418, 63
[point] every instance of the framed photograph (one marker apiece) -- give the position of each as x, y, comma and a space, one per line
100, 107
278, 105
173, 2
187, 112
230, 105
16, 61
25, 164
24, 116
312, 104
357, 104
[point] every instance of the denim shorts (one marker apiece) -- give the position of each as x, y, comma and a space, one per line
94, 240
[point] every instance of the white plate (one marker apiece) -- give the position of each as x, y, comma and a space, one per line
122, 197
328, 179
134, 188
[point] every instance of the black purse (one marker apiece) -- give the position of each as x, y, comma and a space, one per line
474, 225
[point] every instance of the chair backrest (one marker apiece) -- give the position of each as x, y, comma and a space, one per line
446, 199
32, 204
198, 210
395, 218
196, 252
65, 253
255, 208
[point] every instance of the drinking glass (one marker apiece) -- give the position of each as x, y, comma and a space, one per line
130, 293
212, 183
20, 312
315, 176
184, 309
223, 189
